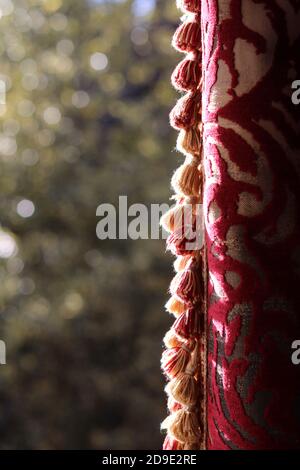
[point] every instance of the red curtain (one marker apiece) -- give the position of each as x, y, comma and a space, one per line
251, 131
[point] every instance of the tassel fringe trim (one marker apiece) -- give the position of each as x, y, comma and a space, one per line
182, 360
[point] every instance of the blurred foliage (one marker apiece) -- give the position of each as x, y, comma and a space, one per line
85, 120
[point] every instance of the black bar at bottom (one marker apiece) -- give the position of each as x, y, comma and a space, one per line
135, 459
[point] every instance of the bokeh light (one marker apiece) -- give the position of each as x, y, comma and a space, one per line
8, 245
98, 61
25, 208
83, 119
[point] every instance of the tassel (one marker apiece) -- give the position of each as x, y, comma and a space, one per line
173, 217
171, 444
193, 6
171, 340
187, 179
183, 425
175, 306
180, 263
183, 213
173, 405
191, 446
187, 75
181, 362
188, 325
182, 241
184, 389
187, 285
167, 220
185, 112
187, 37
189, 141
175, 360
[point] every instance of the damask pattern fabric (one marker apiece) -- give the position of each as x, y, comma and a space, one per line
251, 140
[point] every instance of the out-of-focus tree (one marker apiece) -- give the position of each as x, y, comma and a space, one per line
85, 120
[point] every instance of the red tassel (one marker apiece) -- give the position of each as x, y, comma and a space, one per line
187, 75
185, 113
193, 6
175, 360
187, 285
188, 325
181, 240
171, 444
187, 37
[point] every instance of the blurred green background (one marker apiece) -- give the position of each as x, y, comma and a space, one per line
85, 120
